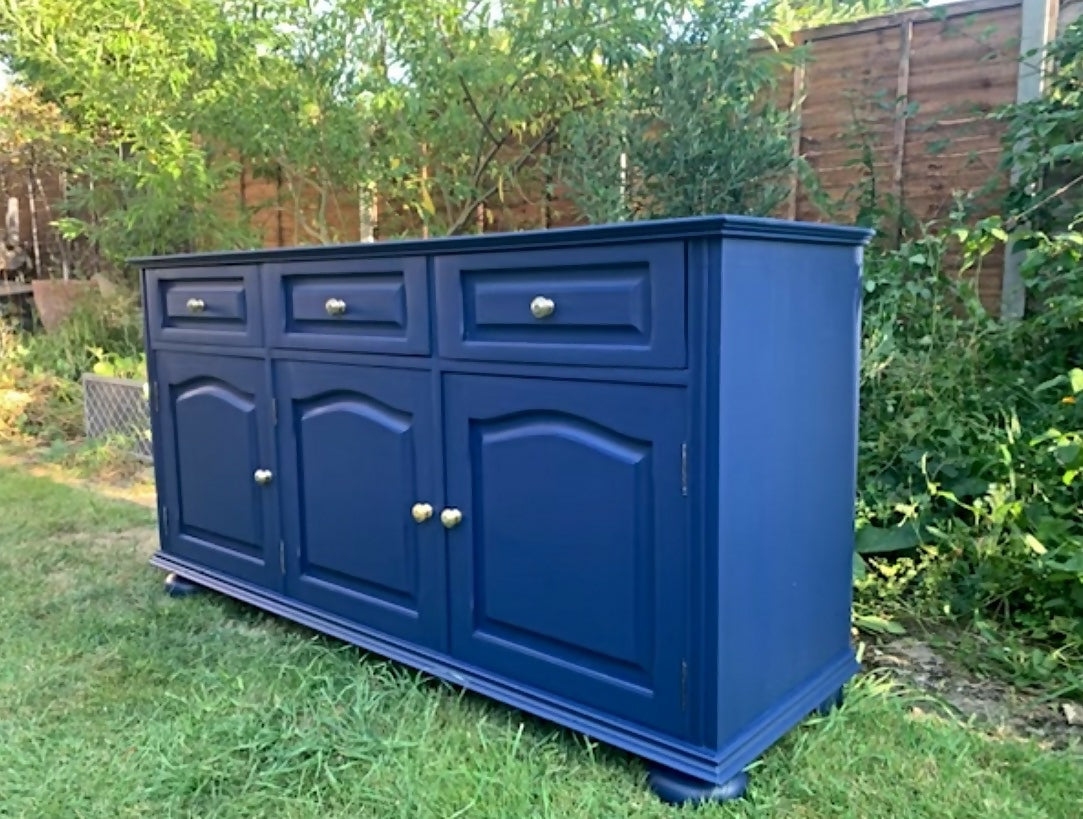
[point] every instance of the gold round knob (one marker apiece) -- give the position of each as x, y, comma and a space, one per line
195, 305
541, 307
451, 518
335, 307
421, 512
262, 476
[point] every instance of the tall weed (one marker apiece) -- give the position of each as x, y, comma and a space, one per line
970, 449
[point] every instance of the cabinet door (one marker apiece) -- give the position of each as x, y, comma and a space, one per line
216, 433
360, 451
568, 567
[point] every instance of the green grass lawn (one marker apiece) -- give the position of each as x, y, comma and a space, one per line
118, 701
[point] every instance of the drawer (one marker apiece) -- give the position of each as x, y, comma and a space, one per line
360, 305
206, 305
620, 305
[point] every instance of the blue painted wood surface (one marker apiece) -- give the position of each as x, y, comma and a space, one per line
655, 478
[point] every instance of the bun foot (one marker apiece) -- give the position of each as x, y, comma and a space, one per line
177, 586
677, 788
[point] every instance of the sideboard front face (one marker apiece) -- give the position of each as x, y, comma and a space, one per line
533, 466
321, 460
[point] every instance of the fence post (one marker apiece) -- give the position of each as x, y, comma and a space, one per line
1038, 27
902, 112
797, 99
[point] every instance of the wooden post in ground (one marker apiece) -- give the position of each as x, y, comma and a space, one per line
797, 98
1037, 29
902, 113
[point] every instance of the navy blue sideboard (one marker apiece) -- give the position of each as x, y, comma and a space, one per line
602, 474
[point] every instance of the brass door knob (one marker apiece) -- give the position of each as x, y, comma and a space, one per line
195, 305
335, 307
542, 307
421, 512
262, 476
451, 518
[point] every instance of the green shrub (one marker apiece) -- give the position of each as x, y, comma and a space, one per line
970, 450
100, 331
40, 393
695, 130
35, 404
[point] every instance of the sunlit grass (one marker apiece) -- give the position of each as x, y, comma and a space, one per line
118, 701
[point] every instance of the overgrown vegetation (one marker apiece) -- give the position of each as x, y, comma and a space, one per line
40, 396
972, 428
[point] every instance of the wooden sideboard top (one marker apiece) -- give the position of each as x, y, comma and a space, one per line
745, 227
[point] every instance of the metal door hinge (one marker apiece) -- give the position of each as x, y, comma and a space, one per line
282, 556
684, 685
684, 469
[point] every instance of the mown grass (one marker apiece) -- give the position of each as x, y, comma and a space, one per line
118, 701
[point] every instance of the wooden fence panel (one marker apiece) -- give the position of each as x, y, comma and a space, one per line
894, 120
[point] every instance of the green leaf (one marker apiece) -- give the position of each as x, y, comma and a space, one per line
1068, 150
1069, 454
872, 540
860, 570
1075, 378
1034, 544
968, 487
1072, 565
1048, 385
880, 625
426, 201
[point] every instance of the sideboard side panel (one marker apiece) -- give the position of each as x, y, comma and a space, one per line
787, 413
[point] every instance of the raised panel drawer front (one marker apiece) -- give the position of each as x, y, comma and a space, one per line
360, 305
205, 305
621, 305
568, 550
